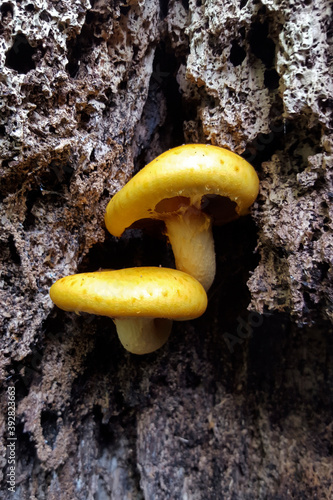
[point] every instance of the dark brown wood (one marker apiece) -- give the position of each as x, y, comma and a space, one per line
238, 404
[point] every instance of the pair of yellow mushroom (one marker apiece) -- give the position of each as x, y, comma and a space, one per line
188, 188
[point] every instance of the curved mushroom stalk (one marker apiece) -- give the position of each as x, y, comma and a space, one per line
143, 335
190, 235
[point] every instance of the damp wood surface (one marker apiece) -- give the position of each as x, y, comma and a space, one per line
238, 404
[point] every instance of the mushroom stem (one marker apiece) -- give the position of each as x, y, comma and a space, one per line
190, 235
143, 335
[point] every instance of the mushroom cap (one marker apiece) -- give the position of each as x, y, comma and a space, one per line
185, 174
150, 292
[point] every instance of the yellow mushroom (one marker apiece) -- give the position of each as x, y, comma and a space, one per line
142, 301
189, 188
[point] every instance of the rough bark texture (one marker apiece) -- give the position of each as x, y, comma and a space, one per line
238, 405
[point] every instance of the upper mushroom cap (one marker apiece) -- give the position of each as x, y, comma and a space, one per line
150, 292
190, 172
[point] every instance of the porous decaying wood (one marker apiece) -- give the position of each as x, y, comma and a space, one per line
238, 405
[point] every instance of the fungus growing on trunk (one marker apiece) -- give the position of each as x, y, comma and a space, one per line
142, 301
189, 188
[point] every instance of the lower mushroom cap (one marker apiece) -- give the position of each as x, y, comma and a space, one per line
150, 292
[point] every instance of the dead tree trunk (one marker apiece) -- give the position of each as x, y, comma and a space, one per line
238, 404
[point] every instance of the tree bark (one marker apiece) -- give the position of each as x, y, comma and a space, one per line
238, 403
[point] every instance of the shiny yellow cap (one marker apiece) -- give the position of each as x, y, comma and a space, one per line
150, 292
189, 172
